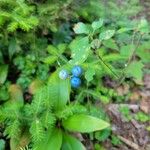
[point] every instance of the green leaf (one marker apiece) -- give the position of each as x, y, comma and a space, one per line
127, 50
124, 29
71, 143
59, 90
110, 44
143, 26
52, 140
115, 140
3, 73
50, 60
143, 52
84, 123
113, 57
80, 48
90, 72
106, 34
2, 144
4, 95
97, 24
52, 50
81, 28
135, 70
104, 99
102, 135
13, 47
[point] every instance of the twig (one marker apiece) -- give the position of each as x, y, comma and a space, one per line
129, 143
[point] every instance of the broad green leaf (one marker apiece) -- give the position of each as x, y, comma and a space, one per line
52, 50
127, 50
3, 73
71, 143
135, 70
103, 135
84, 123
50, 60
105, 35
143, 52
97, 24
4, 95
13, 47
104, 99
90, 72
110, 44
2, 144
113, 57
124, 29
80, 28
59, 90
62, 48
143, 26
80, 50
52, 140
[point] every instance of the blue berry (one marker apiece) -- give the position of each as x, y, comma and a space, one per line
76, 71
63, 74
75, 82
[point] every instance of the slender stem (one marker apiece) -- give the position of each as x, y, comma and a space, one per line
108, 67
129, 60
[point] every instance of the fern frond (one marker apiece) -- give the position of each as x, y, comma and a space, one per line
39, 99
5, 14
70, 110
37, 131
12, 27
13, 129
7, 110
48, 119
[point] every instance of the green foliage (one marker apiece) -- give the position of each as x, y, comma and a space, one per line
115, 140
52, 140
37, 108
3, 73
46, 115
84, 123
71, 143
140, 116
17, 14
2, 144
125, 112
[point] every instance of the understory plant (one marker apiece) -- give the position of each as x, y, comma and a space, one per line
50, 119
52, 75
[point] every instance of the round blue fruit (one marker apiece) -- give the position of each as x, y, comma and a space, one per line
76, 71
63, 74
75, 82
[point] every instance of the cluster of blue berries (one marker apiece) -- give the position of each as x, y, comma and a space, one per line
75, 78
